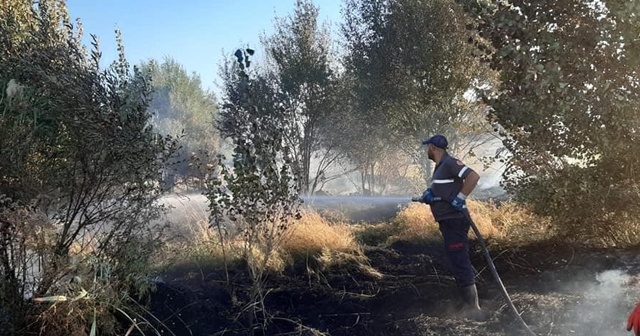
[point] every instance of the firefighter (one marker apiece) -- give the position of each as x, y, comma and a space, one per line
452, 182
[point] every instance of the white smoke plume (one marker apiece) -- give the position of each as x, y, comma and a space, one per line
600, 307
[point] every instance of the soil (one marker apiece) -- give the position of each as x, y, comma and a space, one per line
556, 288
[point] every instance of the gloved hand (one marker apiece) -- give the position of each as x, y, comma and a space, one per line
459, 203
427, 196
634, 321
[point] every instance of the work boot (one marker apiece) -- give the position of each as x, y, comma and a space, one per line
471, 309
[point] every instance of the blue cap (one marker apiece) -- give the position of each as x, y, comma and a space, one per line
437, 140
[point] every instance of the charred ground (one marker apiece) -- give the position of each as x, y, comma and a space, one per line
559, 288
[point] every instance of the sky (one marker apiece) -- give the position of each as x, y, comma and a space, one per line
193, 32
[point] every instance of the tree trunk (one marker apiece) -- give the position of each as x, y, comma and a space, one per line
363, 179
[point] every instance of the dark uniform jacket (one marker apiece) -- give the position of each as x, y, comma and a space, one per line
446, 183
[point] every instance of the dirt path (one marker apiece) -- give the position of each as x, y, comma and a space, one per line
559, 290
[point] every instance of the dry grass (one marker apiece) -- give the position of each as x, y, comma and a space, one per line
485, 215
320, 243
313, 233
311, 240
317, 241
194, 243
415, 223
519, 225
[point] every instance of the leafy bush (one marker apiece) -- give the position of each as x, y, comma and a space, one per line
594, 205
79, 174
569, 127
257, 199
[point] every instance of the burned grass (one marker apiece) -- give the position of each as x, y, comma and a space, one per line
414, 296
391, 279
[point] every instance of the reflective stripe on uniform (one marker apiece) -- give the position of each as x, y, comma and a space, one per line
464, 169
442, 181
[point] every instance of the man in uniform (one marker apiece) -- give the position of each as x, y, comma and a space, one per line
452, 182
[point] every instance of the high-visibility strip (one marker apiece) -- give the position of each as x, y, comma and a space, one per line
464, 169
442, 181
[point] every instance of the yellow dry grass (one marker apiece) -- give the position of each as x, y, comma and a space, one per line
313, 233
318, 241
508, 221
413, 223
313, 237
519, 224
484, 214
192, 242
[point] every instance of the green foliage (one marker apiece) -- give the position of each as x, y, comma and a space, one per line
257, 198
567, 104
410, 66
593, 205
81, 163
300, 52
182, 108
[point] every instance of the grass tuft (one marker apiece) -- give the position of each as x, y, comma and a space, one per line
313, 237
327, 244
507, 222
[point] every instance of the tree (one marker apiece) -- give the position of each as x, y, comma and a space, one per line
568, 105
299, 53
411, 67
181, 107
363, 141
80, 171
258, 197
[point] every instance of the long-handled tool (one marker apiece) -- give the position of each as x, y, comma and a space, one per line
492, 267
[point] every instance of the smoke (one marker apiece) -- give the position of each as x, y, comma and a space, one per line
600, 306
588, 297
187, 215
192, 207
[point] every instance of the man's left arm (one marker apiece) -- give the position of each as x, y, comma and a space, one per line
469, 182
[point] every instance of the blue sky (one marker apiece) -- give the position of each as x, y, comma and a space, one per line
194, 32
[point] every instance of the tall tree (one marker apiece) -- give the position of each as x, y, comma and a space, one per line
359, 136
568, 103
299, 53
182, 107
411, 67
